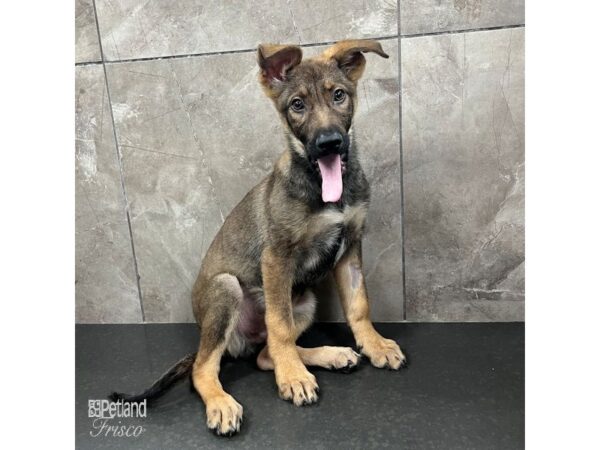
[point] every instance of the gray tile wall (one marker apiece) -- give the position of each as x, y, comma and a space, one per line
87, 47
462, 139
441, 142
105, 280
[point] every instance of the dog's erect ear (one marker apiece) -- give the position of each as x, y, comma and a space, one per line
349, 55
275, 61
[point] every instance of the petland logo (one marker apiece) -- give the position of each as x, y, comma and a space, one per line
108, 417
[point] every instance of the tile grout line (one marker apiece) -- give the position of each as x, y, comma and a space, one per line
400, 149
87, 63
315, 44
466, 30
227, 52
120, 162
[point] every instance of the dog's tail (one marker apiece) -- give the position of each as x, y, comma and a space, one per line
178, 372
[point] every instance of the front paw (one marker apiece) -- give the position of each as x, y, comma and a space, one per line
224, 415
298, 386
384, 353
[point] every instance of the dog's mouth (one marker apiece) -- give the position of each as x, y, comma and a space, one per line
330, 168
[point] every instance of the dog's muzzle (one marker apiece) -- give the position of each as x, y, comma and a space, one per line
328, 154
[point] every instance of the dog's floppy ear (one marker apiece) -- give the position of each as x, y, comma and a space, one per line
349, 55
275, 61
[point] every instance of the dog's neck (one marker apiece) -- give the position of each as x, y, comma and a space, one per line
303, 183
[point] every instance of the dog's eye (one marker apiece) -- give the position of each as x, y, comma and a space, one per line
339, 95
297, 105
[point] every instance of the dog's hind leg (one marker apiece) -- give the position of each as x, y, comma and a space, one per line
220, 298
343, 359
336, 358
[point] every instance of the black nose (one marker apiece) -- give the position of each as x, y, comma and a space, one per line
329, 142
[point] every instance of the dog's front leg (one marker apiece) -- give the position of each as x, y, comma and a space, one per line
353, 294
294, 381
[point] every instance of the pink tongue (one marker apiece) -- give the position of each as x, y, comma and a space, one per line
331, 173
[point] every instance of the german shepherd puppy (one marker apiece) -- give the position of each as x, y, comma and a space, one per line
304, 219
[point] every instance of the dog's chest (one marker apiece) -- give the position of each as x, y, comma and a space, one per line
325, 250
326, 244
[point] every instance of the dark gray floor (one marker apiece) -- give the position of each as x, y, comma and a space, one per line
463, 389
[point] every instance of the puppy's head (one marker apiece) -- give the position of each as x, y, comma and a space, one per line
316, 99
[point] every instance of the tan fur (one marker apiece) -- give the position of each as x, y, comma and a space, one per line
353, 295
348, 53
223, 413
326, 357
294, 381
